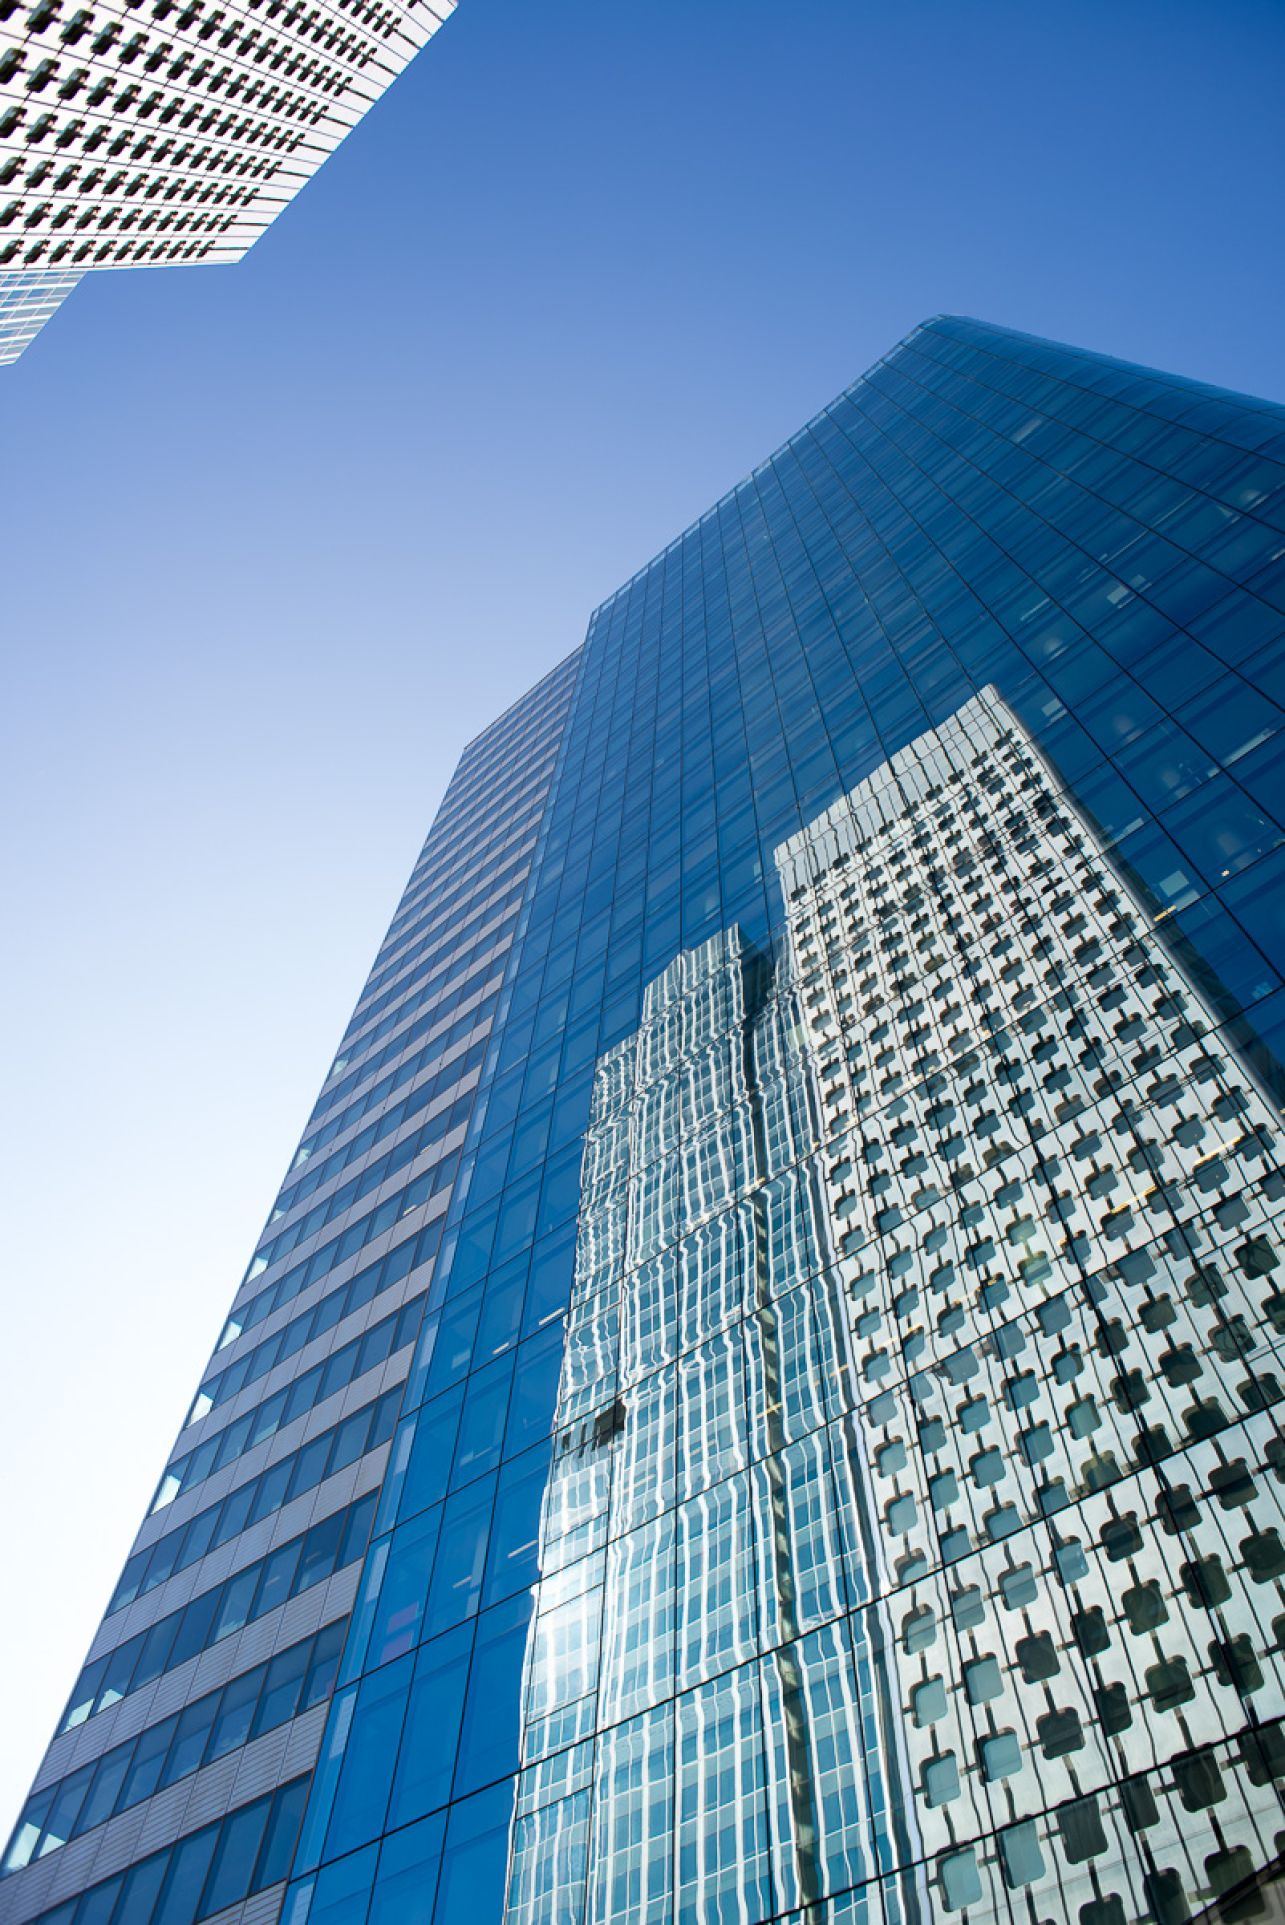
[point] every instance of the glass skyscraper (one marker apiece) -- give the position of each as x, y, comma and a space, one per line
760, 1397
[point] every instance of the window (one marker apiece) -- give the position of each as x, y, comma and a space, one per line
1021, 1856
918, 1630
1144, 1607
1038, 1657
982, 1680
1169, 1684
164, 1753
940, 1779
960, 1881
1000, 1756
928, 1702
968, 1608
1018, 1587
1060, 1733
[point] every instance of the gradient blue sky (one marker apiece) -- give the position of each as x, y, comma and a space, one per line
278, 538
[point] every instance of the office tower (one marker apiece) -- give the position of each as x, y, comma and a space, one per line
175, 134
205, 1690
760, 1395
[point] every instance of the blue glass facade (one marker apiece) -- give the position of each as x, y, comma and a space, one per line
206, 1687
837, 1475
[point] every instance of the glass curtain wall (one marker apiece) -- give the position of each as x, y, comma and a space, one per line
838, 1474
1100, 549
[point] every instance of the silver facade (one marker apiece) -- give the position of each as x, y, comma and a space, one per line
175, 134
27, 300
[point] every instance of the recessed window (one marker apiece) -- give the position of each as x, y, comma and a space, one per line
1144, 1607
968, 1608
1000, 1756
1092, 1633
1021, 1856
1019, 1588
1060, 1733
1170, 1685
918, 1631
940, 1780
928, 1702
1038, 1657
982, 1680
1199, 1781
902, 1515
1080, 1826
961, 1883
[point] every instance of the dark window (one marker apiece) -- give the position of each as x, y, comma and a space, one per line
1169, 1683
1092, 1633
238, 1847
1059, 1733
1081, 1830
1038, 1657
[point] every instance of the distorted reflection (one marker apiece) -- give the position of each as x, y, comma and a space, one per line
913, 1540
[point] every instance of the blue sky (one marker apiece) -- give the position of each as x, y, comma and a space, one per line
280, 537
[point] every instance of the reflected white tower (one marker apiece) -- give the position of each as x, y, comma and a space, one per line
1054, 1187
913, 1544
707, 1534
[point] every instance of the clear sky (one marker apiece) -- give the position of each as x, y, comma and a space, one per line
278, 538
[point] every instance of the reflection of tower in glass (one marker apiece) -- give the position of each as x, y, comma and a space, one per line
913, 1544
1055, 1192
703, 1550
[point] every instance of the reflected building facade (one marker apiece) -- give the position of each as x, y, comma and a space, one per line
760, 1398
705, 1541
1056, 1191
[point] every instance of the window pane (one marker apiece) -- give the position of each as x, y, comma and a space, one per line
189, 1863
238, 1847
432, 1726
283, 1829
369, 1759
407, 1883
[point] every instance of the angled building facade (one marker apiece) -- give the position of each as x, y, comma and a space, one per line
759, 1398
175, 134
27, 300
